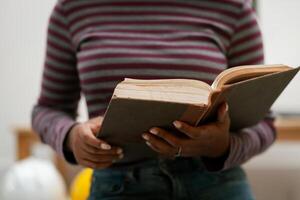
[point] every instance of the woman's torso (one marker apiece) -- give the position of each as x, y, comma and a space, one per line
147, 39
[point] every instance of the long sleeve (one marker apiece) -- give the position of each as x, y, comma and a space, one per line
246, 48
56, 109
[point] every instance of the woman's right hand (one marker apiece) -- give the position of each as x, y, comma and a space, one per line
88, 150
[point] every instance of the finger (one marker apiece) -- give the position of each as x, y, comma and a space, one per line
95, 165
199, 132
89, 138
159, 145
95, 128
190, 131
95, 124
96, 151
167, 136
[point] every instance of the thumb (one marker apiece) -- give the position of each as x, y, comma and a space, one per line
95, 124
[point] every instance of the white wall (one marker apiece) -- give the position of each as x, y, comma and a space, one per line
22, 48
280, 22
22, 42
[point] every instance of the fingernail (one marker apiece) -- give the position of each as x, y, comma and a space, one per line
226, 107
148, 143
105, 146
119, 151
121, 156
177, 124
154, 131
145, 136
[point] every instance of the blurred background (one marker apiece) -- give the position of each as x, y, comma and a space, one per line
274, 175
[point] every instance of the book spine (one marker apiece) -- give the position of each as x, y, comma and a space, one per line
216, 98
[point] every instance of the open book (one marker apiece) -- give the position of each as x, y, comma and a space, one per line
137, 105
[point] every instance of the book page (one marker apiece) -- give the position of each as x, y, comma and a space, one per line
169, 90
241, 73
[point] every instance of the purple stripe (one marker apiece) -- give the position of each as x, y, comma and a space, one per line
57, 46
98, 101
61, 91
125, 55
59, 36
62, 61
120, 78
246, 39
246, 51
98, 113
98, 91
60, 70
168, 4
60, 81
149, 46
149, 66
220, 31
252, 61
145, 13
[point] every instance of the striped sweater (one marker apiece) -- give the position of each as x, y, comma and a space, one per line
94, 44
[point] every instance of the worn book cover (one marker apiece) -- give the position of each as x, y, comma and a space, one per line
126, 119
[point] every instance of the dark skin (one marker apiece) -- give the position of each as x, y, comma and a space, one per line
210, 140
89, 151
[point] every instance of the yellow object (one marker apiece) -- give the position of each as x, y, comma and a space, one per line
80, 187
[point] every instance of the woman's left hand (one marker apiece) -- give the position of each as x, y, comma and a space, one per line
210, 140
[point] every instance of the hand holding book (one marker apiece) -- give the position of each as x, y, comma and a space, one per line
211, 140
138, 105
88, 150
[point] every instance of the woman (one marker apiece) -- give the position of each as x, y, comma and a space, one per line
94, 44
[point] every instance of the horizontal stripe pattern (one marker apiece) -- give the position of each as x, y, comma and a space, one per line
94, 44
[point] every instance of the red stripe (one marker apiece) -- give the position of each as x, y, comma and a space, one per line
98, 101
150, 46
126, 55
61, 91
246, 39
60, 70
161, 22
58, 23
253, 61
60, 59
59, 80
98, 91
247, 26
58, 46
150, 66
201, 38
100, 112
247, 51
120, 78
58, 35
145, 13
151, 4
49, 101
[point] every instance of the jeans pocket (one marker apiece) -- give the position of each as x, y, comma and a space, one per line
106, 184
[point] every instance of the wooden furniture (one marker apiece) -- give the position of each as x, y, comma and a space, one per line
288, 128
25, 138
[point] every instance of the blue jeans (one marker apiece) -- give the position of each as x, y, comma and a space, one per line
180, 179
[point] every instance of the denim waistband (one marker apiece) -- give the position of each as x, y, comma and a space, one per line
178, 165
